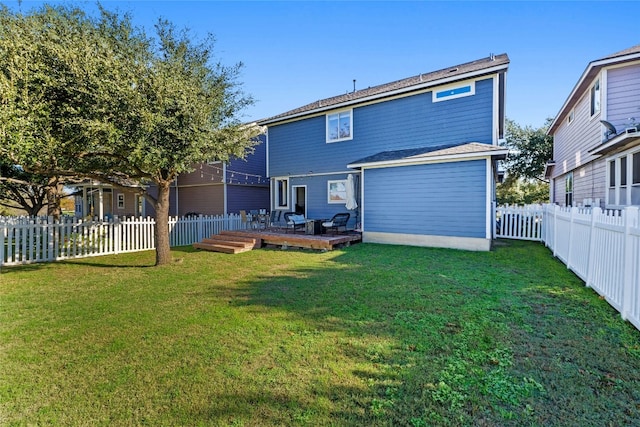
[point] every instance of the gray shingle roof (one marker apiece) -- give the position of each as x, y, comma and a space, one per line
429, 152
449, 74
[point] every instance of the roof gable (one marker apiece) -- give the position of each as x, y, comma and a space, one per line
592, 70
446, 75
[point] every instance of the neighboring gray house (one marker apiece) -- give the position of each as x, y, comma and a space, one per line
422, 151
596, 134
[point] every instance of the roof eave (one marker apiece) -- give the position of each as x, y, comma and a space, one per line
414, 160
433, 83
593, 65
617, 143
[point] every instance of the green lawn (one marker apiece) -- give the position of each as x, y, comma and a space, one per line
368, 335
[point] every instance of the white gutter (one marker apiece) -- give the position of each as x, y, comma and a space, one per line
415, 160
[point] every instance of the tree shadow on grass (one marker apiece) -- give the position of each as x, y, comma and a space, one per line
442, 335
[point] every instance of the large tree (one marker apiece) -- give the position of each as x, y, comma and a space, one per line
98, 98
529, 151
22, 190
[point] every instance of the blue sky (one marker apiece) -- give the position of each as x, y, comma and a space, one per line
298, 52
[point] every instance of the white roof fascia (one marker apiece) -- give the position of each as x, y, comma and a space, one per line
413, 88
618, 140
425, 158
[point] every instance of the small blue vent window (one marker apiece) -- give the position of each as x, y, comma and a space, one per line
453, 92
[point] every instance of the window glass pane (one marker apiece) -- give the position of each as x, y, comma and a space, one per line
282, 192
636, 168
345, 125
612, 173
623, 171
635, 195
595, 98
332, 127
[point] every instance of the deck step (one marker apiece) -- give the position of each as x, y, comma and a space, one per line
229, 244
219, 247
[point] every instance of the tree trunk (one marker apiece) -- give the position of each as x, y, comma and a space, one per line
163, 251
54, 194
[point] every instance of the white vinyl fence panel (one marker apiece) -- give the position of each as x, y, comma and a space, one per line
25, 240
600, 247
519, 222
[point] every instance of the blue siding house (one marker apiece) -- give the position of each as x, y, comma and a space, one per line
422, 153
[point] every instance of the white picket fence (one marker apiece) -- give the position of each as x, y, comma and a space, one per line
600, 247
25, 240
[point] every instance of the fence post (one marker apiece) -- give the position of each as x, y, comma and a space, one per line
200, 228
556, 208
630, 220
116, 235
595, 213
3, 233
572, 218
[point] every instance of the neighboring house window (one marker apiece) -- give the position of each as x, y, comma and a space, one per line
595, 98
453, 92
635, 179
571, 116
623, 181
282, 192
120, 201
337, 191
620, 193
568, 189
340, 126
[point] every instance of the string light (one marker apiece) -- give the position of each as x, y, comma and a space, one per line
242, 177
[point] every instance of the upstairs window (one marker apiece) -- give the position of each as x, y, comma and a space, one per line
571, 116
453, 91
340, 126
595, 98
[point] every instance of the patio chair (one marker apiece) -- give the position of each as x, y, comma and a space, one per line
338, 221
248, 221
294, 221
274, 219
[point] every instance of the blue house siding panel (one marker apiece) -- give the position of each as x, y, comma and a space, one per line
444, 199
246, 197
410, 122
255, 163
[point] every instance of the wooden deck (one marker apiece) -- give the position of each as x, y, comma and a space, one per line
299, 240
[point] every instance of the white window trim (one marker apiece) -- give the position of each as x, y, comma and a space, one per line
276, 199
598, 80
121, 200
566, 192
452, 88
571, 116
350, 137
340, 201
618, 187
